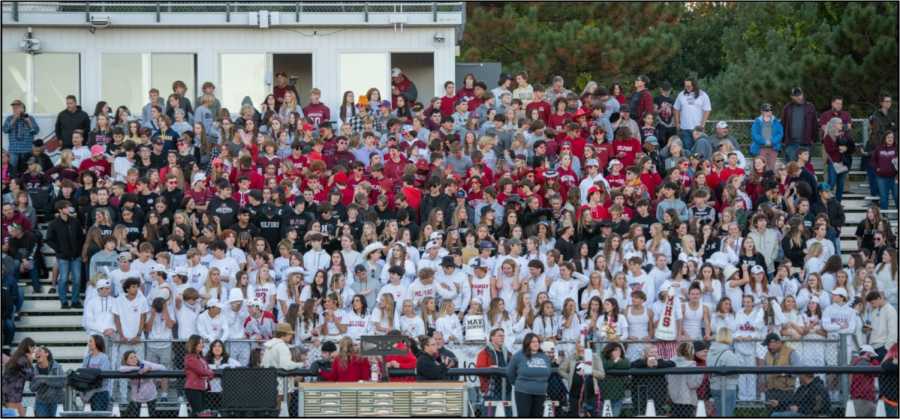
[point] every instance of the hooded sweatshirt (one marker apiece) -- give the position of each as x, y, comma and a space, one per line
51, 391
720, 355
67, 122
683, 388
278, 355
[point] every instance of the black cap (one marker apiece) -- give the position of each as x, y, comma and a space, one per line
766, 107
255, 194
515, 198
448, 261
772, 185
504, 77
769, 173
299, 199
329, 347
456, 251
605, 223
359, 268
37, 143
700, 346
418, 107
625, 108
666, 86
486, 245
771, 337
269, 209
797, 91
486, 209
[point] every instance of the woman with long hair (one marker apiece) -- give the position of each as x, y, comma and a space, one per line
19, 369
348, 366
198, 375
836, 151
886, 273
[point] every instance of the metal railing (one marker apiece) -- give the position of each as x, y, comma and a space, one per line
223, 7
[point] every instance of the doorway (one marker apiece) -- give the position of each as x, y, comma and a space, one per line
299, 65
419, 68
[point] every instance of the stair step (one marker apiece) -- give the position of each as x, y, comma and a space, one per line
43, 338
47, 306
53, 322
46, 295
69, 353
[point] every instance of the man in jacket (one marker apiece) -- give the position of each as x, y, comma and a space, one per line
766, 241
23, 246
833, 209
810, 399
702, 144
779, 387
64, 236
571, 369
278, 355
435, 199
495, 355
69, 120
800, 124
650, 387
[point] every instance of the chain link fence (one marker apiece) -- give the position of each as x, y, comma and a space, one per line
212, 7
740, 130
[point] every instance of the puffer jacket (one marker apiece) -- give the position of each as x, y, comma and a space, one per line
567, 370
759, 141
53, 390
683, 388
720, 355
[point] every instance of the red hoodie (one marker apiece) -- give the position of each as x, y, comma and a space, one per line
358, 369
407, 361
256, 180
394, 171
413, 196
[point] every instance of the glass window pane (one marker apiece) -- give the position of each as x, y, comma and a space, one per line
241, 75
124, 81
55, 77
363, 71
165, 69
16, 79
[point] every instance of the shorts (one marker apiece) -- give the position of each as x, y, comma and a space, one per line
161, 356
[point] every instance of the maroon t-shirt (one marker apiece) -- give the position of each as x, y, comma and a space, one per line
317, 113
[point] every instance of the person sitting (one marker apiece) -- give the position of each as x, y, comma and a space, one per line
428, 366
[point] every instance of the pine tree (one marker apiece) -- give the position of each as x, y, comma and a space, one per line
579, 41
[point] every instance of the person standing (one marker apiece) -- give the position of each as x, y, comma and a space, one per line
663, 109
21, 129
70, 119
197, 373
884, 324
641, 100
401, 84
883, 159
23, 246
838, 139
19, 369
502, 87
767, 133
582, 392
97, 358
888, 381
65, 237
886, 114
49, 392
494, 355
800, 124
779, 387
529, 371
692, 108
278, 355
209, 89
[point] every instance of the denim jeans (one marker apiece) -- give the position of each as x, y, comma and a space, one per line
873, 181
65, 267
837, 181
493, 410
100, 401
725, 407
42, 410
891, 411
9, 331
886, 187
687, 138
35, 280
616, 407
790, 152
788, 415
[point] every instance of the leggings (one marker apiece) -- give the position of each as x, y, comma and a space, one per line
197, 400
530, 405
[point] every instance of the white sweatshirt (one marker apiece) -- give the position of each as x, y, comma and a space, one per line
562, 289
98, 316
212, 329
417, 292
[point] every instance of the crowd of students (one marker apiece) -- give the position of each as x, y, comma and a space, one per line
530, 210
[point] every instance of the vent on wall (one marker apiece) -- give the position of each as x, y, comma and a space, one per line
264, 18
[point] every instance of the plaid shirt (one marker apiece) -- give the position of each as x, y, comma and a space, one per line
356, 123
20, 134
644, 105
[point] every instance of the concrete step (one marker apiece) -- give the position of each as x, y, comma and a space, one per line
43, 338
47, 306
69, 353
46, 295
49, 322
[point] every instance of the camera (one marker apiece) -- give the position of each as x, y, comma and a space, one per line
293, 81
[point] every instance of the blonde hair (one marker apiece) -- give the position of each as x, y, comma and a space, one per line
445, 308
390, 307
66, 158
208, 284
724, 336
815, 250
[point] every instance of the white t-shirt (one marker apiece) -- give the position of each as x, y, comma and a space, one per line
121, 166
159, 330
129, 313
81, 154
643, 283
692, 108
331, 328
266, 293
116, 278
396, 290
227, 268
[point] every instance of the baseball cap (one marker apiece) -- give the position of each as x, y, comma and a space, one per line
722, 124
102, 284
308, 127
612, 163
796, 91
651, 139
448, 261
486, 245
766, 107
479, 263
504, 77
486, 209
757, 270
700, 129
126, 256
456, 251
430, 244
385, 104
395, 72
359, 268
418, 107
552, 173
605, 223
460, 193
513, 241
666, 86
625, 108
592, 162
840, 291
181, 271
340, 178
407, 128
867, 348
771, 337
16, 102
97, 150
329, 347
199, 177
158, 268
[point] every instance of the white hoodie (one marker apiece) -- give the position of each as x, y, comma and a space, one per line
212, 329
562, 289
836, 315
98, 316
278, 355
417, 292
461, 299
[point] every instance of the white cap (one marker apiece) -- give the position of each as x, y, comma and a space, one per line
722, 124
757, 270
199, 177
548, 346
478, 300
182, 271
435, 235
214, 303
395, 72
102, 284
158, 268
867, 348
613, 162
430, 245
840, 291
235, 295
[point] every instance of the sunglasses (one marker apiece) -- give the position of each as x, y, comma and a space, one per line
173, 183
720, 161
360, 169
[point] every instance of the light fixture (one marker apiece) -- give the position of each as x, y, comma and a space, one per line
100, 21
439, 38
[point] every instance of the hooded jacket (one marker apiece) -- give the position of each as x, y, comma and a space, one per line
833, 209
53, 390
720, 355
759, 141
683, 388
429, 203
65, 238
278, 355
67, 122
703, 146
568, 369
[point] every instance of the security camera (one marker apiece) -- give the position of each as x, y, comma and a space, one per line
100, 21
439, 37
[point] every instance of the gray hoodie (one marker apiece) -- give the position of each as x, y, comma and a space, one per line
683, 388
720, 355
703, 146
52, 391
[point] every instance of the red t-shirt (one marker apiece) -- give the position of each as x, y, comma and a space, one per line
317, 113
555, 121
630, 148
728, 172
447, 105
542, 107
99, 167
597, 213
616, 181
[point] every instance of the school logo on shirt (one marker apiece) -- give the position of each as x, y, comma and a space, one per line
746, 327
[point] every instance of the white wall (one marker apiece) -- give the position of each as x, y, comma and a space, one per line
208, 42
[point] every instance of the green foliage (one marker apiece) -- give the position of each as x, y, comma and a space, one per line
579, 41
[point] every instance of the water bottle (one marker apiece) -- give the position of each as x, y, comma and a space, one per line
374, 376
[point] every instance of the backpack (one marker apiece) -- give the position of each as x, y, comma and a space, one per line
85, 379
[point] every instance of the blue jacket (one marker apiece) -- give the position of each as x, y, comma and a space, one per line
759, 141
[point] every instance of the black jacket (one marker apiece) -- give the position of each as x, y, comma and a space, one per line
429, 203
25, 247
812, 399
67, 122
430, 368
43, 159
832, 209
65, 238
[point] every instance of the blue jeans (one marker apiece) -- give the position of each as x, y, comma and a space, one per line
873, 181
65, 267
100, 401
837, 181
616, 407
887, 186
687, 138
9, 331
44, 410
725, 407
790, 152
14, 161
35, 281
891, 411
493, 410
788, 415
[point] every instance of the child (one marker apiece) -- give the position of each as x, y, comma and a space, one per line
143, 390
474, 321
700, 209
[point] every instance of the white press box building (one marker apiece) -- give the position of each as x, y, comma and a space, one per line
117, 51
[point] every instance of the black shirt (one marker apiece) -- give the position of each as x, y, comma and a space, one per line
270, 229
145, 202
252, 228
667, 116
173, 198
566, 248
225, 209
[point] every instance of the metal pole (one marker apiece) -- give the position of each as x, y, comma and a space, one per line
845, 378
70, 395
367, 12
15, 11
297, 12
503, 389
865, 127
157, 12
228, 12
87, 12
434, 10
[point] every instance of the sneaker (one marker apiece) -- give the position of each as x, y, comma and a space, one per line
52, 290
37, 290
180, 399
77, 304
64, 306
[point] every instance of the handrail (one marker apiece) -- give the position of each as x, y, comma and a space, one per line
248, 4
